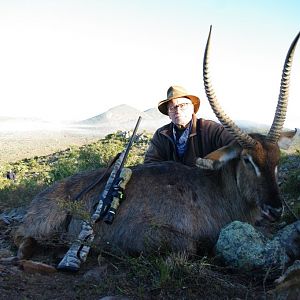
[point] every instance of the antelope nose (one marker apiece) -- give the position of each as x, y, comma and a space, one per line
271, 213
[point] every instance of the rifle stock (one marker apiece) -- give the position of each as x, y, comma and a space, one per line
80, 248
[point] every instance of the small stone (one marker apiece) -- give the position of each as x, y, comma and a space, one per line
36, 267
96, 274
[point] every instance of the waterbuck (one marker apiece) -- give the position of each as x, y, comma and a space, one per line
170, 206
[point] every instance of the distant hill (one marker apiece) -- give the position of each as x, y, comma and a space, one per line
119, 114
124, 117
154, 113
250, 126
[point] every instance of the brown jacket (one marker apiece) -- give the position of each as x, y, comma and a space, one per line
206, 136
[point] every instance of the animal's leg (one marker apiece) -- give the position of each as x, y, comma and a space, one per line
26, 248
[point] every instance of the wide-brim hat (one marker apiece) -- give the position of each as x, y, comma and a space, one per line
175, 92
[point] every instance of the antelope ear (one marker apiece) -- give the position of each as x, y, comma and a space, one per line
215, 160
286, 139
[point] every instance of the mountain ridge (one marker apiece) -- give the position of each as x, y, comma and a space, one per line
121, 113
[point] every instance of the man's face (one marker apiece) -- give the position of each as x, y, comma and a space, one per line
180, 111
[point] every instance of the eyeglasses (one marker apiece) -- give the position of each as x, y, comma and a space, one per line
181, 106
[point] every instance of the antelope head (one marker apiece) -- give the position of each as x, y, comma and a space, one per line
257, 155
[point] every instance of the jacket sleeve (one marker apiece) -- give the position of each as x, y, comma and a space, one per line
155, 151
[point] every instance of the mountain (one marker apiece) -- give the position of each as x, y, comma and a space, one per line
250, 126
124, 117
154, 113
117, 114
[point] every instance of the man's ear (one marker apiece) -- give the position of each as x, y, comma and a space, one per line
215, 160
286, 139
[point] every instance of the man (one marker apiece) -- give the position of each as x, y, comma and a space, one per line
186, 137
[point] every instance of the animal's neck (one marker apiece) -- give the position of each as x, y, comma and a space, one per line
234, 197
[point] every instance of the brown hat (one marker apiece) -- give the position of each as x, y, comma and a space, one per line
175, 92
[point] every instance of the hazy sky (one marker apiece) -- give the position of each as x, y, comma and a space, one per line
66, 60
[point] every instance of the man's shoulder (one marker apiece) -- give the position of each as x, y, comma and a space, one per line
214, 129
164, 129
209, 123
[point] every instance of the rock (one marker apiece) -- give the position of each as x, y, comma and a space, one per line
244, 248
36, 267
289, 238
96, 274
14, 215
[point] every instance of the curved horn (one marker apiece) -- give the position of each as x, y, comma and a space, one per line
279, 118
242, 138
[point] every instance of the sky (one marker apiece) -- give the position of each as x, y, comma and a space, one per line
72, 60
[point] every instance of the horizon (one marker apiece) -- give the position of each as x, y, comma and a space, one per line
65, 61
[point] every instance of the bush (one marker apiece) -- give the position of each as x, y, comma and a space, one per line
292, 184
63, 169
20, 194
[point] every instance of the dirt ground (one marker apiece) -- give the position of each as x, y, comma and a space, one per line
18, 284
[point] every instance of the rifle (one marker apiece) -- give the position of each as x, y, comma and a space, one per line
105, 210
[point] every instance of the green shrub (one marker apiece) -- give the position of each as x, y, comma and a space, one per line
90, 157
19, 194
63, 168
292, 184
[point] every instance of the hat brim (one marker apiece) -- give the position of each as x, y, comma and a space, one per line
163, 105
